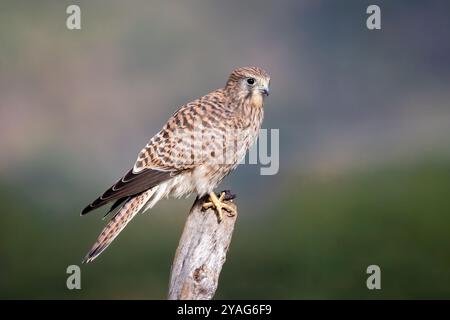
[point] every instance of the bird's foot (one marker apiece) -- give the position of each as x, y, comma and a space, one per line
218, 203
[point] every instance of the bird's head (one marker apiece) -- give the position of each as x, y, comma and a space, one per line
249, 82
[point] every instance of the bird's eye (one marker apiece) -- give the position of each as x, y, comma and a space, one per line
251, 81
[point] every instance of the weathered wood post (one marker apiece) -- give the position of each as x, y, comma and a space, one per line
201, 254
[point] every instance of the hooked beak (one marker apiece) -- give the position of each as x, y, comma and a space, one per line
265, 91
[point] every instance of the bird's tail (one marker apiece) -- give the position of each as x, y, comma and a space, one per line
118, 222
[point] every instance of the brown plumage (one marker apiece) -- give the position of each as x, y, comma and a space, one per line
199, 145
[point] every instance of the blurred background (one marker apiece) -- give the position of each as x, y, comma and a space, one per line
364, 120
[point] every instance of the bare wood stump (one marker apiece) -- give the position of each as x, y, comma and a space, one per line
201, 254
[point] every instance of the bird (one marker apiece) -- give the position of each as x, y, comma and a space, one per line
200, 144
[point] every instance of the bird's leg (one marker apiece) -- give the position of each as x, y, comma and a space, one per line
218, 204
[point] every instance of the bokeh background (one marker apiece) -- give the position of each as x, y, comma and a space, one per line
364, 120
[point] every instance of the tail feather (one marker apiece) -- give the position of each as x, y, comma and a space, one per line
130, 208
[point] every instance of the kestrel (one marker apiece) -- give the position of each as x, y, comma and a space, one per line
199, 145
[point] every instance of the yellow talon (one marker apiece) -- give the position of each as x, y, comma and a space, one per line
218, 205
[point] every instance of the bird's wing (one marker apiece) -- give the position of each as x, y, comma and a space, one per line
173, 150
166, 155
130, 184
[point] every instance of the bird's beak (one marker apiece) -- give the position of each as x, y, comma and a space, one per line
265, 90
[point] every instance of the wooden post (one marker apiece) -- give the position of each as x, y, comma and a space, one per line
201, 254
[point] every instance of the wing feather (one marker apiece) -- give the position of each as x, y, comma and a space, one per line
131, 184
